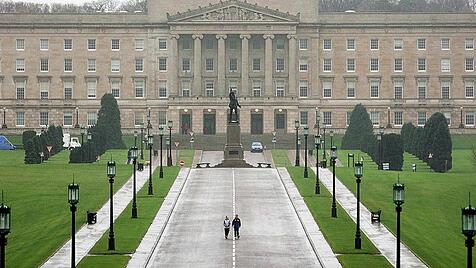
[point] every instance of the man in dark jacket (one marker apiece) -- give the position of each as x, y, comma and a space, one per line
236, 226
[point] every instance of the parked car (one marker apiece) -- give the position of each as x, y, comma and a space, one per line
70, 142
256, 147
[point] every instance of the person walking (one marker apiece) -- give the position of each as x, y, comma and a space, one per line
236, 226
226, 225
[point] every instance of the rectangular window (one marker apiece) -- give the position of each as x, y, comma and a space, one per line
445, 65
256, 88
68, 44
162, 44
327, 89
186, 66
115, 65
398, 44
209, 65
374, 44
279, 65
68, 89
469, 119
138, 119
186, 44
280, 88
232, 43
92, 86
92, 118
139, 44
44, 89
350, 89
233, 86
327, 116
375, 118
374, 88
303, 89
115, 44
139, 65
327, 44
186, 88
44, 65
303, 118
374, 65
20, 89
303, 44
233, 64
43, 119
398, 65
421, 65
448, 117
91, 65
421, 44
91, 44
445, 89
20, 65
421, 119
469, 89
67, 119
303, 66
116, 88
162, 64
209, 88
347, 118
209, 43
421, 89
327, 66
398, 89
68, 65
350, 65
256, 65
20, 119
44, 44
139, 88
162, 118
20, 44
445, 44
398, 118
469, 44
280, 43
350, 44
162, 89
469, 64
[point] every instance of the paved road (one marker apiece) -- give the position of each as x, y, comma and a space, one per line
271, 236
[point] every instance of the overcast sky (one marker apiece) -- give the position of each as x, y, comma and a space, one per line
79, 2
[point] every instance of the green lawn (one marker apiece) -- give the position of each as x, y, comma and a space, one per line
187, 157
280, 158
37, 194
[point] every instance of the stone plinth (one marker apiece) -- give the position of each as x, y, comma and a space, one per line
233, 154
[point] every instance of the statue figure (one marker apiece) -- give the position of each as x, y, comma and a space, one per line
233, 106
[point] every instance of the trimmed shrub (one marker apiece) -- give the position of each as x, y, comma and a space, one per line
359, 130
27, 135
438, 143
393, 151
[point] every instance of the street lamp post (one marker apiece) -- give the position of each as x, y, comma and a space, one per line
4, 125
324, 159
142, 142
170, 125
191, 139
306, 133
468, 228
77, 117
380, 148
150, 142
296, 127
398, 199
73, 200
317, 143
111, 173
134, 155
90, 147
274, 139
161, 135
358, 167
5, 222
388, 118
135, 138
333, 159
332, 137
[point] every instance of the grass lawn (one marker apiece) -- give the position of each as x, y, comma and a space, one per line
37, 194
129, 232
187, 157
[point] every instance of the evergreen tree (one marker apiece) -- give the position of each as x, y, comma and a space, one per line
31, 155
393, 151
359, 131
437, 143
27, 135
107, 132
407, 132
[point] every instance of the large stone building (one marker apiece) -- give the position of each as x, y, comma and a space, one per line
284, 59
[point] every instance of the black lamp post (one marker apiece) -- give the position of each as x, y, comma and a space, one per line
398, 199
5, 224
468, 228
142, 142
150, 142
90, 147
296, 127
324, 157
306, 133
332, 137
111, 173
134, 155
388, 118
358, 168
77, 118
4, 125
333, 159
317, 143
380, 149
135, 138
170, 125
82, 130
161, 135
73, 199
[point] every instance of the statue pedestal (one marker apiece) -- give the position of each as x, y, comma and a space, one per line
233, 155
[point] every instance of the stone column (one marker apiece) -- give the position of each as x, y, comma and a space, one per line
245, 68
221, 66
197, 89
268, 65
172, 63
292, 84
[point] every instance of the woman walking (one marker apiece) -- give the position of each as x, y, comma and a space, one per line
226, 225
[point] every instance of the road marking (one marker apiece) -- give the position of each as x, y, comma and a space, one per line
234, 213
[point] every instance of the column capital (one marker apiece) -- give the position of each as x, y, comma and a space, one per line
245, 36
174, 36
291, 36
199, 36
270, 36
221, 36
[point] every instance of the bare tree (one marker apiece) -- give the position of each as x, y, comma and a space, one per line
135, 5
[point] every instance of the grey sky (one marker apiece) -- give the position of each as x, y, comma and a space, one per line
79, 2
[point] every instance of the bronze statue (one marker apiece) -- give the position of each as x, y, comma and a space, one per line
233, 106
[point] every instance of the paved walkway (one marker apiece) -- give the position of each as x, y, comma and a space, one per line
88, 235
382, 238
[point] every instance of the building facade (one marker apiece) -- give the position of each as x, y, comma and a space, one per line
285, 62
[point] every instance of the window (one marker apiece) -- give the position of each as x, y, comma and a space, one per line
186, 44
448, 117
350, 65
68, 89
350, 44
138, 119
303, 44
398, 65
162, 44
374, 88
162, 89
347, 118
139, 44
303, 118
327, 44
256, 65
162, 64
256, 43
327, 66
115, 65
139, 66
209, 88
67, 119
209, 43
279, 65
350, 89
115, 44
233, 64
398, 89
68, 44
232, 43
445, 44
469, 89
374, 44
303, 89
279, 43
20, 119
20, 65
116, 88
44, 65
469, 64
421, 65
280, 88
374, 65
92, 85
43, 119
44, 89
139, 88
91, 44
398, 44
91, 65
303, 67
327, 89
92, 118
375, 118
445, 89
44, 44
421, 44
162, 118
233, 86
421, 119
209, 65
469, 119
445, 65
20, 44
327, 116
421, 89
398, 118
68, 65
186, 88
186, 67
469, 43
256, 88
20, 89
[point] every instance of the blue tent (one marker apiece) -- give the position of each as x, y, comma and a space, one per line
5, 144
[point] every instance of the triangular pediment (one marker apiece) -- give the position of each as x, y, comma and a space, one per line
233, 11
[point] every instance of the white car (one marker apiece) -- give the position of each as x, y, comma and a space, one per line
256, 147
70, 142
